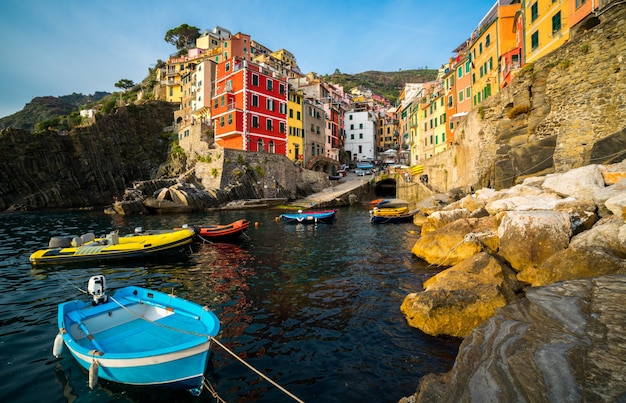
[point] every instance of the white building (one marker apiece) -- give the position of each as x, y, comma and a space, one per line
360, 129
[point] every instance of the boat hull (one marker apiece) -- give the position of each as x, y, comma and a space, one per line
310, 217
141, 337
133, 246
223, 233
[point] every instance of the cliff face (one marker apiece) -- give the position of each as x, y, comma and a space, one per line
88, 166
564, 111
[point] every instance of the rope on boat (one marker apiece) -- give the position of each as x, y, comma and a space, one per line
262, 375
212, 338
212, 391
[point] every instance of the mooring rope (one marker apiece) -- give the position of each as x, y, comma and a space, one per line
214, 339
262, 375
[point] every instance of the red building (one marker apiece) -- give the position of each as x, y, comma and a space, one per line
249, 109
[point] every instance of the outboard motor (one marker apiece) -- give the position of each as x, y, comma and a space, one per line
97, 287
138, 230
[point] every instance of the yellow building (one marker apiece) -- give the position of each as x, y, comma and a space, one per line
493, 38
545, 27
295, 137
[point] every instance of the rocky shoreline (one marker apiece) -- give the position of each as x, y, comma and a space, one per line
534, 281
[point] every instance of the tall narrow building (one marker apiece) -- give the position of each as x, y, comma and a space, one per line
250, 107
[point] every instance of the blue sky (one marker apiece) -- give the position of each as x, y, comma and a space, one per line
65, 46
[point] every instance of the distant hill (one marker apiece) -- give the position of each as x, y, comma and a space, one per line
386, 84
43, 108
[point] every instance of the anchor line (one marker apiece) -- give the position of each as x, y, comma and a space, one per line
214, 339
262, 375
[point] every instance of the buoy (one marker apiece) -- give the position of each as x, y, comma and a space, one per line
276, 219
57, 349
256, 224
93, 374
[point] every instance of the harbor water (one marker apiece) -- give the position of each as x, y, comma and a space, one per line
314, 307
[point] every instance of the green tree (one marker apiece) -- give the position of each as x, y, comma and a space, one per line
125, 84
183, 36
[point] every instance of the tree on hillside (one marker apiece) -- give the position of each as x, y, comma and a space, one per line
183, 36
125, 84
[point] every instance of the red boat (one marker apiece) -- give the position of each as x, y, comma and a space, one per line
223, 232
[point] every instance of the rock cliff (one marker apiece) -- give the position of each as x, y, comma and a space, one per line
87, 166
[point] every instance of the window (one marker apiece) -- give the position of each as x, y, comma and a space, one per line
216, 103
360, 125
255, 100
222, 121
459, 72
290, 113
230, 118
534, 12
255, 80
360, 135
556, 23
534, 40
270, 104
272, 146
282, 127
480, 48
350, 117
268, 124
255, 121
468, 92
281, 89
298, 117
352, 136
227, 68
352, 126
259, 145
487, 40
270, 84
222, 100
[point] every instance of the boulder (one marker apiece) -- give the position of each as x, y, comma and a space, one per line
451, 244
544, 201
590, 254
527, 238
458, 299
562, 343
581, 183
607, 193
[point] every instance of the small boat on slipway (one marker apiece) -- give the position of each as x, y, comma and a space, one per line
137, 336
223, 232
87, 247
380, 216
309, 217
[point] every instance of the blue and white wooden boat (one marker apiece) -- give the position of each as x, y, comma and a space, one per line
137, 336
309, 217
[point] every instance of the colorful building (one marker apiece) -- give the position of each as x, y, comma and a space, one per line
360, 142
250, 107
295, 120
545, 27
314, 135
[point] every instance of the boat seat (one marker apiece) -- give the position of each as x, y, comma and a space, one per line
88, 237
77, 241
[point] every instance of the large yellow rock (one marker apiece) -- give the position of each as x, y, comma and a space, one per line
458, 299
455, 242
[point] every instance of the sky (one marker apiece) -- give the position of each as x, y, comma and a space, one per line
55, 48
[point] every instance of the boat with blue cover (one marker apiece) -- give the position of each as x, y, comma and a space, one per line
309, 217
137, 336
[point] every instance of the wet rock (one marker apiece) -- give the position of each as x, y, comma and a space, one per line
562, 343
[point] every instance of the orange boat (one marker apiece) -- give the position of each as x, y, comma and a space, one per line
223, 232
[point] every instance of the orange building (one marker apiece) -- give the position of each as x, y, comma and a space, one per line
250, 107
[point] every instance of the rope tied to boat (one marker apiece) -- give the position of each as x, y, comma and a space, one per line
262, 375
213, 339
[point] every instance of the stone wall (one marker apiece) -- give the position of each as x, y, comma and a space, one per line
564, 111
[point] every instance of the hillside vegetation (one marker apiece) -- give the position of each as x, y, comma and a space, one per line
386, 84
46, 108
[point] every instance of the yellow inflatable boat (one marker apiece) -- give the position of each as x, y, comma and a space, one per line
87, 247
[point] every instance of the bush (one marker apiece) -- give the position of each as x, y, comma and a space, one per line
518, 110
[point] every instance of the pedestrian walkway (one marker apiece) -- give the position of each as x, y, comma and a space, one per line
329, 196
